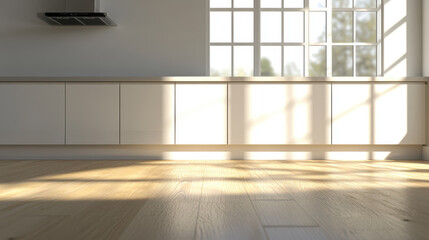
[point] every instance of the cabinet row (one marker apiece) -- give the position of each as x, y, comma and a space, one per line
238, 113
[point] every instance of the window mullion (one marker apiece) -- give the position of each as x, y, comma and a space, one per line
257, 37
380, 39
232, 39
306, 37
354, 43
282, 40
329, 38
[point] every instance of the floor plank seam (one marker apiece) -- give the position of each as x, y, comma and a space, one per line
256, 213
199, 207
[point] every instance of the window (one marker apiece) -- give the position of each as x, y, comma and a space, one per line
294, 37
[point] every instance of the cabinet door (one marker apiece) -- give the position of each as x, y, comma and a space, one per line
379, 113
201, 113
92, 113
279, 113
399, 112
32, 113
147, 113
351, 114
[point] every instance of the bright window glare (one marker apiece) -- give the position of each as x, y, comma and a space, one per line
243, 27
271, 27
220, 61
243, 3
220, 27
294, 27
271, 3
293, 3
294, 61
317, 3
317, 27
220, 3
243, 61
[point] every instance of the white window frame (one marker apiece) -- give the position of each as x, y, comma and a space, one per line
306, 44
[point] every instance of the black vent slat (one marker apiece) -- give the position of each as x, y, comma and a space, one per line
77, 18
92, 21
67, 21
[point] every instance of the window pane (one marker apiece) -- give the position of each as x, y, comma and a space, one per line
243, 3
317, 61
342, 3
366, 3
294, 27
342, 26
271, 61
366, 61
342, 61
294, 3
317, 27
271, 3
294, 61
366, 26
220, 3
317, 3
220, 61
220, 27
243, 61
243, 27
271, 26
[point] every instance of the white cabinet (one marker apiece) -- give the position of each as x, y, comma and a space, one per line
92, 113
279, 113
399, 112
351, 114
32, 113
201, 113
378, 113
147, 113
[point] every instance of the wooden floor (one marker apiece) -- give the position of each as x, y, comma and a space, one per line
214, 200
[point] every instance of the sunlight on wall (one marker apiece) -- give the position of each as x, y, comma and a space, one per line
194, 155
274, 113
351, 114
266, 114
201, 114
348, 155
277, 155
395, 54
390, 122
395, 38
381, 155
394, 11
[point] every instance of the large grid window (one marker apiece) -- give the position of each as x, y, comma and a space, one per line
294, 37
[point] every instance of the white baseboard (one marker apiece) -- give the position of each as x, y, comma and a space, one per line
221, 152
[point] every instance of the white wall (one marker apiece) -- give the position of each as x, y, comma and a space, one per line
425, 31
425, 64
156, 38
402, 38
153, 38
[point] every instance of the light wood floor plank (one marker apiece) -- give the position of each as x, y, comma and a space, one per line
228, 220
133, 199
296, 233
282, 213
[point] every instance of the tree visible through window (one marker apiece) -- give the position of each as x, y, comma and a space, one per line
293, 37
